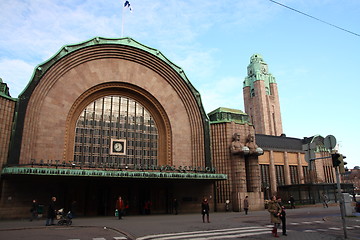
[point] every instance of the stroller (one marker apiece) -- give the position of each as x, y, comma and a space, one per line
64, 219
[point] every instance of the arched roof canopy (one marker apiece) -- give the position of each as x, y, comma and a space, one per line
59, 82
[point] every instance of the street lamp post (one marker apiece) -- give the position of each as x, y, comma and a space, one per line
341, 201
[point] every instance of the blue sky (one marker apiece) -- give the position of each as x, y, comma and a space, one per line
315, 65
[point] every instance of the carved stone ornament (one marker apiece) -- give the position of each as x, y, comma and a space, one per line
253, 148
237, 147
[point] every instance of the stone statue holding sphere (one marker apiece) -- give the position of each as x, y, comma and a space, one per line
253, 148
237, 147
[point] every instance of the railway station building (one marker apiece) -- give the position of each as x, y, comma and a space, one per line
112, 117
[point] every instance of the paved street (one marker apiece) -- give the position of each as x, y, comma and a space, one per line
302, 223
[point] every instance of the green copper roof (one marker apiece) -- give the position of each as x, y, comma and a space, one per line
223, 114
320, 146
4, 91
258, 70
67, 49
110, 173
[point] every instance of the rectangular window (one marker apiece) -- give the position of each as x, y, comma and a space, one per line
265, 180
280, 180
306, 174
294, 175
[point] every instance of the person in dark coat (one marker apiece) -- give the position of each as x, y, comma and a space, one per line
147, 207
282, 217
275, 211
292, 202
51, 214
176, 206
325, 200
205, 209
73, 210
246, 205
34, 210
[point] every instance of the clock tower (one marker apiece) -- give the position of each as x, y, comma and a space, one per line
261, 98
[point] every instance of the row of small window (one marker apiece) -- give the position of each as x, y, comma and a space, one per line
104, 142
92, 160
114, 133
131, 137
150, 150
267, 92
115, 121
90, 126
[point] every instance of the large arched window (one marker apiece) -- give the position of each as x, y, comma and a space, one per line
113, 118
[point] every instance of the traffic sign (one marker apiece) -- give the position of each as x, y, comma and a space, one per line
330, 142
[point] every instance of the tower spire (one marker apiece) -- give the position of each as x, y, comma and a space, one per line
261, 98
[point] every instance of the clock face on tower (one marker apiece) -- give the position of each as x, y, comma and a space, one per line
118, 147
263, 69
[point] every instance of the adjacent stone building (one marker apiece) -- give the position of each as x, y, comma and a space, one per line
7, 109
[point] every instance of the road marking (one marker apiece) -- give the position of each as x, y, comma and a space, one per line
211, 234
334, 228
119, 238
306, 222
309, 230
295, 223
99, 238
232, 236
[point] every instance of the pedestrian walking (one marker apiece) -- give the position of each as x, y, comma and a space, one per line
246, 205
205, 209
147, 207
282, 217
34, 210
275, 211
292, 202
120, 206
176, 206
227, 203
51, 214
325, 200
127, 207
73, 209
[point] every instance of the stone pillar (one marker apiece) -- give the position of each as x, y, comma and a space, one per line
238, 180
287, 169
272, 171
300, 169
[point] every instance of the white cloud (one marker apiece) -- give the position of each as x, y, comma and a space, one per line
15, 73
226, 92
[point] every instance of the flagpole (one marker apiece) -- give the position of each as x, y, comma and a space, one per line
122, 22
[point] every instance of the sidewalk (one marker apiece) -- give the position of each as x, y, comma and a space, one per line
133, 227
